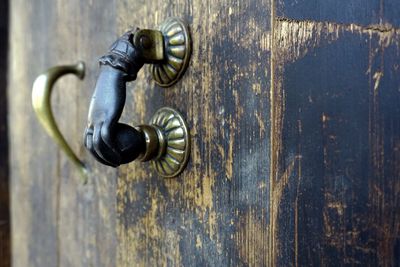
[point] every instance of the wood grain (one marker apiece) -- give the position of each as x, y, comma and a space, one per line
216, 212
206, 216
335, 180
371, 12
293, 114
58, 221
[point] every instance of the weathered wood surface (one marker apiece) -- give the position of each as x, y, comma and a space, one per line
5, 244
335, 180
325, 130
361, 12
57, 221
216, 213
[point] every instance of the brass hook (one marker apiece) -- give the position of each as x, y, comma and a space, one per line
41, 102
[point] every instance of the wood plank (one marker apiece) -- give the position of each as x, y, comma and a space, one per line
87, 214
360, 12
335, 184
33, 157
58, 221
216, 212
335, 187
334, 192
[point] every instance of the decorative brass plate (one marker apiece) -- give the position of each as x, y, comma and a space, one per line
176, 142
177, 46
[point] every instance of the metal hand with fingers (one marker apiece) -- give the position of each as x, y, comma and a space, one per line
166, 139
110, 142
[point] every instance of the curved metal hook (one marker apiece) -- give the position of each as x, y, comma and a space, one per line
41, 102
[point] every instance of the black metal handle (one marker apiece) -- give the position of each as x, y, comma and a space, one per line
113, 143
110, 142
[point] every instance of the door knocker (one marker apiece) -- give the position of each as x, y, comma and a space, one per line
165, 140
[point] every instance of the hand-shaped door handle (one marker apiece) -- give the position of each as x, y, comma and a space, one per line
41, 101
166, 139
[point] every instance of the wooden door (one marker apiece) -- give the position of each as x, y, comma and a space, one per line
335, 177
293, 115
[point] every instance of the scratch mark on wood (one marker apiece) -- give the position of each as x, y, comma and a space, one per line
377, 78
296, 38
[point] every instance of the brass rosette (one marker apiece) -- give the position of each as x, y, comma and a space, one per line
176, 148
177, 45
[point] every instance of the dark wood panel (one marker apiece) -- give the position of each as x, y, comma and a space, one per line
5, 244
336, 145
216, 212
360, 12
332, 152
